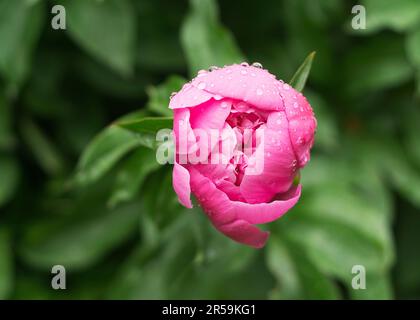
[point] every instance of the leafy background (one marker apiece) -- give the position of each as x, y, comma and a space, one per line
77, 191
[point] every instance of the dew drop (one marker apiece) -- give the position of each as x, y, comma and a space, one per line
213, 68
244, 72
201, 73
278, 121
295, 105
286, 86
244, 64
172, 95
201, 85
259, 92
257, 65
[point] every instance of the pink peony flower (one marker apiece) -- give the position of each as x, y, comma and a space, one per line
241, 105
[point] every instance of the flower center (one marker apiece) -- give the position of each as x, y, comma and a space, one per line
244, 121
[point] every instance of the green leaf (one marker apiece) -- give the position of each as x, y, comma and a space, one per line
105, 29
396, 15
399, 171
7, 139
205, 41
342, 228
20, 27
6, 263
10, 174
149, 125
412, 142
132, 174
407, 228
413, 52
365, 70
103, 152
43, 149
159, 95
78, 243
413, 47
299, 78
378, 287
297, 277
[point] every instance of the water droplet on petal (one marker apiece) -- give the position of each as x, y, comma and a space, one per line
295, 105
201, 85
213, 68
257, 65
244, 64
278, 121
172, 95
286, 86
259, 92
244, 72
201, 73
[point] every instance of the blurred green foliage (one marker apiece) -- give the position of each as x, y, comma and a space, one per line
79, 191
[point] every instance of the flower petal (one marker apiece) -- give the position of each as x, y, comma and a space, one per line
302, 124
233, 218
267, 212
186, 142
243, 232
277, 157
255, 86
189, 96
181, 184
211, 114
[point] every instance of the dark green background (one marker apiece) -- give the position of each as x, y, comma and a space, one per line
77, 192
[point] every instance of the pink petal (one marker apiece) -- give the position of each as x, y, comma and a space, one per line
189, 96
243, 232
267, 212
255, 86
211, 114
233, 218
279, 162
302, 124
181, 184
186, 142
